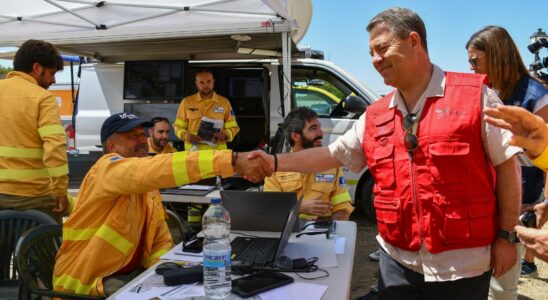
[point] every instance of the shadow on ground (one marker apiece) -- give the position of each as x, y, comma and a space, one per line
365, 272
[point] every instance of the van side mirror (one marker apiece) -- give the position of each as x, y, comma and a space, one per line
354, 104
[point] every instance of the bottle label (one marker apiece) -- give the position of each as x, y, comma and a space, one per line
217, 259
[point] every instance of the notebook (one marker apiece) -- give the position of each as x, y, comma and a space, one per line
264, 251
258, 211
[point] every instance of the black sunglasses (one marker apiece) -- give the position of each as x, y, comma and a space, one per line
474, 61
410, 140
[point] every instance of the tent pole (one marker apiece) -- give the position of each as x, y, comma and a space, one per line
286, 60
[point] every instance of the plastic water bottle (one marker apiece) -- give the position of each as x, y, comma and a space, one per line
194, 147
216, 228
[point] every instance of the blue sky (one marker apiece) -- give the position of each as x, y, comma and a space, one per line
338, 28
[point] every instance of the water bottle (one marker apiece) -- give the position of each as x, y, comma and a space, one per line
216, 227
194, 147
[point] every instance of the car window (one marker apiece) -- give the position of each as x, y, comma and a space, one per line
318, 90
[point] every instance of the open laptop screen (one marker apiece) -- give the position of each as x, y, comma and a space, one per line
258, 211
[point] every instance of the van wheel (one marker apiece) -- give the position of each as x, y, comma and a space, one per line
365, 203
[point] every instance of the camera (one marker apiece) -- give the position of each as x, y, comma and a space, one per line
539, 40
528, 219
539, 64
536, 46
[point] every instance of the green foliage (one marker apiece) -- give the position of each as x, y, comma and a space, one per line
4, 71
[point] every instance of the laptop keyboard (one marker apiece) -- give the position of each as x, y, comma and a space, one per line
255, 250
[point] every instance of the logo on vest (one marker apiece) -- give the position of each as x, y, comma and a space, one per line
445, 113
325, 178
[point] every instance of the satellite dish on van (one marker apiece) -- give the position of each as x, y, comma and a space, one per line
300, 11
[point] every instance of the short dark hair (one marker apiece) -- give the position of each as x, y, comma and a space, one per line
37, 51
159, 119
203, 70
295, 120
401, 21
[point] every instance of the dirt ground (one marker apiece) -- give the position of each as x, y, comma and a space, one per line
365, 272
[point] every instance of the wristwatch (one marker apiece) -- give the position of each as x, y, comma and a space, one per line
510, 236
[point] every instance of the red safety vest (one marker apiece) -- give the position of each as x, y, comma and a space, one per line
446, 196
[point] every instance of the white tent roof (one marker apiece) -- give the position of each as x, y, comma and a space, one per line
117, 30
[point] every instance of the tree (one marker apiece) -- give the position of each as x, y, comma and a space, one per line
4, 71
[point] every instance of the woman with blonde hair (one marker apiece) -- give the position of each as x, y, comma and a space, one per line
492, 51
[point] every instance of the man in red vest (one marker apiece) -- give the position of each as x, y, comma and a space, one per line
447, 185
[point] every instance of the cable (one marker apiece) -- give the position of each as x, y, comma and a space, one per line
326, 274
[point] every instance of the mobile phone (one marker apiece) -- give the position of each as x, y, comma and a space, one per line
194, 246
252, 285
529, 219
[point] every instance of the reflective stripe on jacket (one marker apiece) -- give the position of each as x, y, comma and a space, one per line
190, 114
446, 196
33, 160
326, 185
118, 201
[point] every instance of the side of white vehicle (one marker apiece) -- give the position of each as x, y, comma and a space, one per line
318, 84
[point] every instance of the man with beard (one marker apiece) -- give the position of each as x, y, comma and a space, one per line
205, 106
324, 194
158, 136
117, 227
33, 160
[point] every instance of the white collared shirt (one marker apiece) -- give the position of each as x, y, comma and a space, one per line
447, 265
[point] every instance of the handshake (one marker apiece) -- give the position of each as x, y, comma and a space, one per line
254, 166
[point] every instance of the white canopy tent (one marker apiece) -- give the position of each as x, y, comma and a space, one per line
120, 30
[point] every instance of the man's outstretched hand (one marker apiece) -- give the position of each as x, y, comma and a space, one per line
253, 168
530, 131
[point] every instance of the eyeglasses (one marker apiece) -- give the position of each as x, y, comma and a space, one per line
410, 140
474, 61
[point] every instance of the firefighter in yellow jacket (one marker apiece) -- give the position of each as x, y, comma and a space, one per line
324, 194
158, 136
33, 160
116, 228
205, 106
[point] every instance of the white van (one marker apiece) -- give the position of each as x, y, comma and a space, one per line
253, 88
146, 56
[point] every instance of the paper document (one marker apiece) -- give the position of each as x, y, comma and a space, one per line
176, 253
152, 286
208, 128
339, 245
197, 187
295, 291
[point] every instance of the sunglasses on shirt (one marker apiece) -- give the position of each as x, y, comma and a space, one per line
410, 140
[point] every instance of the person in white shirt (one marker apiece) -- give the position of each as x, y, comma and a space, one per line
442, 175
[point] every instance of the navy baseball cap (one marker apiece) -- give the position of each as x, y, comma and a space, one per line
123, 122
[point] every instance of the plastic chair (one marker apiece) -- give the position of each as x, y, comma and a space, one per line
13, 223
177, 227
35, 259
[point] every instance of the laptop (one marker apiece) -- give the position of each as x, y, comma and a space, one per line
258, 211
259, 251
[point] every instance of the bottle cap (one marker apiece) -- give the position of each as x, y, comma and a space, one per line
215, 200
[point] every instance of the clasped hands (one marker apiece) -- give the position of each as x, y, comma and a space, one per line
254, 166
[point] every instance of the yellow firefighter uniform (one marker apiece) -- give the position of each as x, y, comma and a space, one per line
167, 149
190, 114
114, 214
329, 186
33, 159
